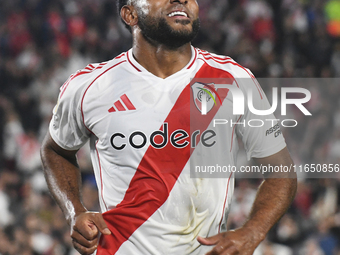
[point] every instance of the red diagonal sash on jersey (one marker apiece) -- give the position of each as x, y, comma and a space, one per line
158, 170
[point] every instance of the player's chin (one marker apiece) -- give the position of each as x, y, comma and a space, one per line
181, 26
183, 22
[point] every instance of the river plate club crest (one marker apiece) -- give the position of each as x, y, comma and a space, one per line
205, 96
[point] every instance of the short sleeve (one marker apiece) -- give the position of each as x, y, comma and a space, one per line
66, 126
261, 134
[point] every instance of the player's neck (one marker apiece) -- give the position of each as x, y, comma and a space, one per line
160, 60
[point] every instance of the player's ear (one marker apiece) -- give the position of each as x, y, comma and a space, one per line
129, 15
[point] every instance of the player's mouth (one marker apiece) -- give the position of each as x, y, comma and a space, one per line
178, 14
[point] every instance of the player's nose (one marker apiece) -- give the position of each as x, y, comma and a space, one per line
179, 1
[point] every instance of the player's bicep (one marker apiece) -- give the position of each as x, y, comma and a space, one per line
281, 162
50, 147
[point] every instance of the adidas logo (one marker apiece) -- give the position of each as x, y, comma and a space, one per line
122, 104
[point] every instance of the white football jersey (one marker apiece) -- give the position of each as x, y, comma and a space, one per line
144, 132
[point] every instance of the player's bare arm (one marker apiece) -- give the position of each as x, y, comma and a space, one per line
64, 181
273, 198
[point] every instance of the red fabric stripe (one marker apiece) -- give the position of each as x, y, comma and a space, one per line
257, 85
127, 54
158, 170
127, 102
225, 200
150, 186
112, 109
101, 177
197, 120
224, 61
121, 55
204, 53
120, 107
215, 67
64, 87
193, 60
236, 64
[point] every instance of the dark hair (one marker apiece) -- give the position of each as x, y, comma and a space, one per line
120, 4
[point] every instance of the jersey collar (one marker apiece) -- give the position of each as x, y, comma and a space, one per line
139, 68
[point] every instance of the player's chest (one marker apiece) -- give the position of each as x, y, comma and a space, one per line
135, 112
139, 114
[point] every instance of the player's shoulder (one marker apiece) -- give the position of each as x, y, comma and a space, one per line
94, 70
79, 82
225, 63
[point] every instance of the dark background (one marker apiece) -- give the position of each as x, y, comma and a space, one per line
43, 41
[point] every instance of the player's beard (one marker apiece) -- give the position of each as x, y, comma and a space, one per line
159, 31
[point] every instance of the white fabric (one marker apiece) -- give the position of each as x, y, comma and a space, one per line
195, 206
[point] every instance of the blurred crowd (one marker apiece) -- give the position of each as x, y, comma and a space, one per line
43, 41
